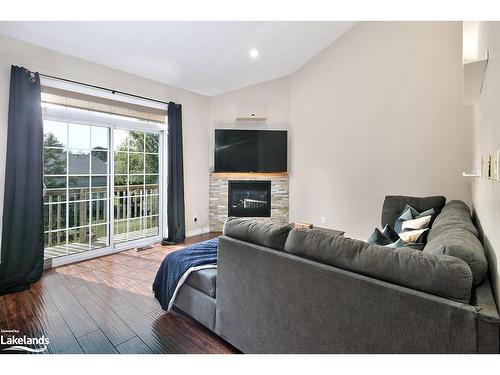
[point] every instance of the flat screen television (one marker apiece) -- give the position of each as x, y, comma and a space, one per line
250, 150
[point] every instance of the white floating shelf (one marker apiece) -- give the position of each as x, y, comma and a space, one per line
251, 118
474, 71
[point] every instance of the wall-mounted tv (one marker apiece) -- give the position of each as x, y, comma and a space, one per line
250, 150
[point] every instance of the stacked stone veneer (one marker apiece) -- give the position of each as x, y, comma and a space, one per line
219, 196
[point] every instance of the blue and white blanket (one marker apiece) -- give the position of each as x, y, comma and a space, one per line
177, 266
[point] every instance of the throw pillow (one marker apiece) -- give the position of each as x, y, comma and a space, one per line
409, 213
390, 233
379, 238
419, 223
411, 236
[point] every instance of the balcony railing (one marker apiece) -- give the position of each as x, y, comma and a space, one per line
130, 202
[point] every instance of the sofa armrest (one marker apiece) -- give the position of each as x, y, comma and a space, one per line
488, 325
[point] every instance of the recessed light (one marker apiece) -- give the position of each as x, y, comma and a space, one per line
254, 53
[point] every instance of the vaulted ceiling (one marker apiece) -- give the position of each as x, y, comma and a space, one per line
205, 57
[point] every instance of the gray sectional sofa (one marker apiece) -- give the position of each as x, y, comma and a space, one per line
284, 290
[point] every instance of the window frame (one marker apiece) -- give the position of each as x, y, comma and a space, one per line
91, 118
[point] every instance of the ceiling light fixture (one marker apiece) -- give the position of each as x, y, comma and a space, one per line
254, 53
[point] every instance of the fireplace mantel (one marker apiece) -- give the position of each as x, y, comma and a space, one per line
218, 195
247, 175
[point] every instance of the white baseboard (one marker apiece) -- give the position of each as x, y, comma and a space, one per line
198, 231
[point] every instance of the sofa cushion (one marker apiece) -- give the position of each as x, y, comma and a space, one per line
441, 275
204, 280
268, 235
454, 215
462, 244
395, 204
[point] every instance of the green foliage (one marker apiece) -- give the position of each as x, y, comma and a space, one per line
54, 158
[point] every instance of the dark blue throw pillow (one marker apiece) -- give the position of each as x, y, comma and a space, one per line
378, 238
390, 233
387, 237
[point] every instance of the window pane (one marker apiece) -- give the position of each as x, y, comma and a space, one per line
78, 194
54, 161
99, 234
152, 142
79, 182
136, 185
55, 244
121, 140
99, 182
152, 186
99, 138
54, 216
151, 228
136, 206
121, 162
135, 229
152, 163
121, 180
99, 193
55, 182
120, 207
136, 141
78, 214
54, 134
99, 187
56, 189
99, 162
78, 240
152, 205
79, 136
79, 162
120, 231
136, 163
99, 212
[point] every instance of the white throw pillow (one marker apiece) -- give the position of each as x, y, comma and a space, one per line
411, 236
420, 223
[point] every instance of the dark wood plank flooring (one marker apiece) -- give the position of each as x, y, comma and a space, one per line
105, 305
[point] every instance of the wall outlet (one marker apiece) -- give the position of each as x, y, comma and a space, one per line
323, 220
195, 218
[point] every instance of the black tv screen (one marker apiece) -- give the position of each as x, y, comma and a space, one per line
250, 150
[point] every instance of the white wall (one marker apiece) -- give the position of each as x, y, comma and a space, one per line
195, 110
378, 112
486, 194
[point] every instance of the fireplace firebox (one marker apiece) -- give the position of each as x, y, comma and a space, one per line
249, 198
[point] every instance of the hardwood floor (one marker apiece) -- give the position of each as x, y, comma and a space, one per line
105, 305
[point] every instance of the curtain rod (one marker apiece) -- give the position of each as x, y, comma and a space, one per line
103, 88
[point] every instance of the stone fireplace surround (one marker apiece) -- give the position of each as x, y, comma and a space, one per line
218, 196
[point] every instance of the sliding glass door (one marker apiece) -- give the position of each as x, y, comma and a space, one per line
102, 178
76, 176
136, 185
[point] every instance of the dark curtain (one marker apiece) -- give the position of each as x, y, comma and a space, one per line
22, 225
175, 177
